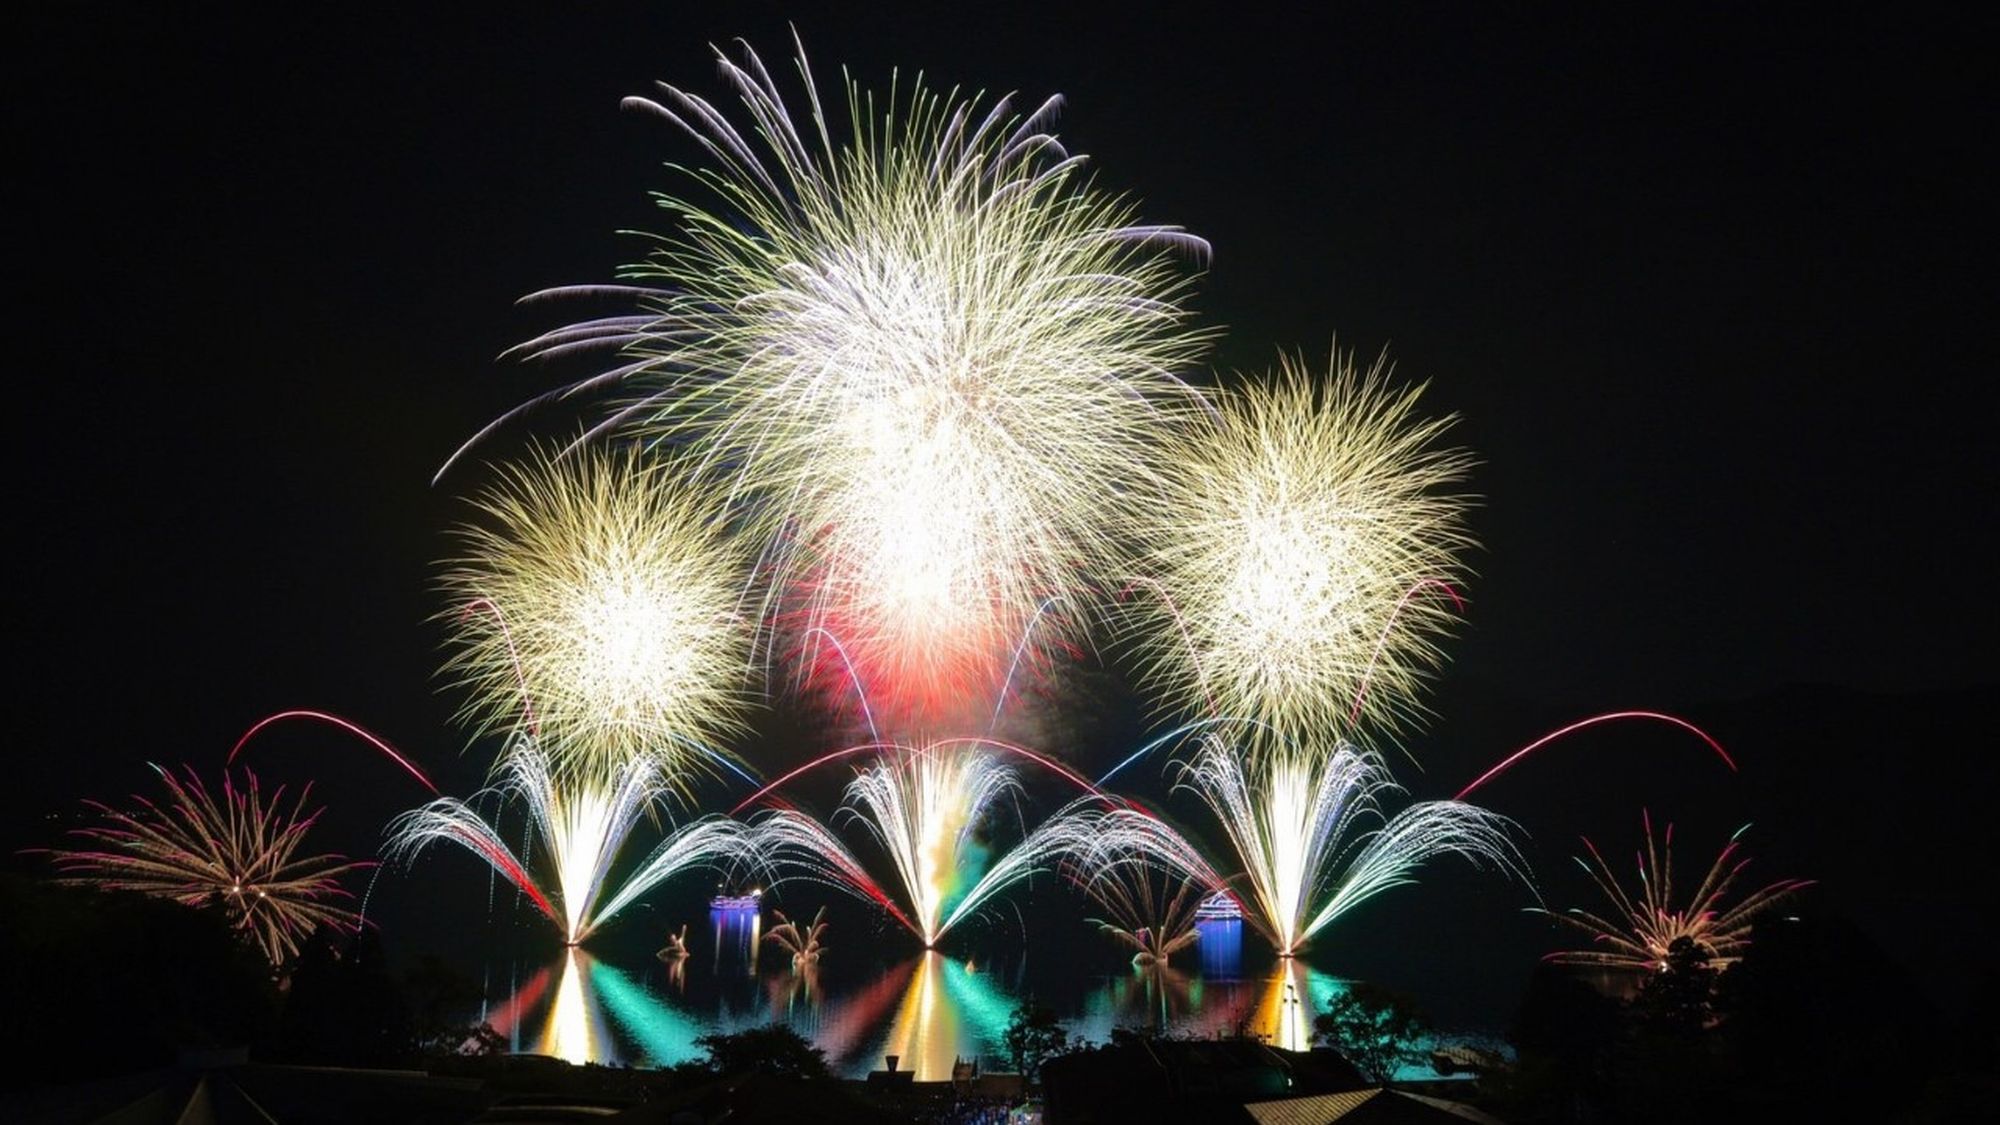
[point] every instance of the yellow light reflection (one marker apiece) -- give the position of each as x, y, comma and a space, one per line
925, 1033
574, 1032
1284, 1009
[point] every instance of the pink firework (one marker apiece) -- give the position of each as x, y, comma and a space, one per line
239, 849
1644, 925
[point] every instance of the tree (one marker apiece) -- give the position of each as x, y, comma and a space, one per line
439, 1000
344, 1008
103, 983
773, 1049
1033, 1034
1374, 1029
1679, 1000
1820, 1014
1563, 1036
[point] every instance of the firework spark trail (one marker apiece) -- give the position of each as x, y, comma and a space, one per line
240, 849
1001, 696
1182, 731
1388, 628
1645, 926
612, 598
1022, 752
584, 824
488, 605
853, 678
1286, 539
1299, 822
1152, 905
335, 720
800, 847
931, 356
1583, 724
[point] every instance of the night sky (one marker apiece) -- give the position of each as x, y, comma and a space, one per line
1710, 292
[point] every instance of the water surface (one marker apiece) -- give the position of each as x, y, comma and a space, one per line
877, 996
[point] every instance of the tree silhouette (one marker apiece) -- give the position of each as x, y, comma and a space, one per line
1033, 1034
1678, 1000
773, 1049
1375, 1029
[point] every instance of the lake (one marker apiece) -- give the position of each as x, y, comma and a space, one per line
875, 996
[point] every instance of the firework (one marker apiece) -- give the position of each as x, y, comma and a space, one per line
598, 612
1302, 555
924, 806
1643, 927
802, 942
1585, 724
1309, 830
1152, 911
584, 824
932, 354
1151, 880
241, 850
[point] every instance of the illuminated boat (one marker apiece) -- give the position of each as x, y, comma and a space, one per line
749, 900
1218, 907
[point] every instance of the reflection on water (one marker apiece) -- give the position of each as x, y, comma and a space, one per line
948, 1012
738, 931
929, 1010
1221, 948
575, 1030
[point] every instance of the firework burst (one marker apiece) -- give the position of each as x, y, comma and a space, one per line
801, 942
1644, 926
932, 353
1303, 550
240, 849
598, 612
584, 824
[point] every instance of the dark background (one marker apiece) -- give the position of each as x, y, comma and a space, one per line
1710, 291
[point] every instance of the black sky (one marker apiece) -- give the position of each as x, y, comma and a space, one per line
1710, 291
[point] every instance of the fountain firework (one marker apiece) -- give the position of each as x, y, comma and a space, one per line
1308, 828
925, 807
584, 824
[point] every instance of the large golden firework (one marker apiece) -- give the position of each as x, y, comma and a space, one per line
1302, 557
929, 350
596, 607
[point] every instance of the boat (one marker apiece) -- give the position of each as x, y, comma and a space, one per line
748, 900
1219, 907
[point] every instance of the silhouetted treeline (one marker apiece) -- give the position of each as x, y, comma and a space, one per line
100, 984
